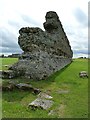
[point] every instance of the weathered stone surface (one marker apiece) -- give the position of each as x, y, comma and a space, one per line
40, 66
41, 103
5, 74
83, 74
36, 91
6, 66
44, 95
24, 86
9, 86
45, 52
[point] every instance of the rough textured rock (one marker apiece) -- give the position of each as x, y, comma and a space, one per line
83, 74
24, 86
42, 102
36, 91
5, 74
45, 52
44, 95
10, 86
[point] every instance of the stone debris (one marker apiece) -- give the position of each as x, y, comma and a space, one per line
6, 66
9, 87
36, 91
52, 112
83, 74
21, 86
24, 86
41, 103
7, 74
45, 52
44, 95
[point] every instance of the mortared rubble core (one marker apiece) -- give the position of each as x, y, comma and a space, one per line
45, 52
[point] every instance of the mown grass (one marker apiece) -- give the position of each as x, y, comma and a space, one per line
73, 104
6, 62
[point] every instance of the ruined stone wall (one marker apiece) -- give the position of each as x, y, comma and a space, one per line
39, 65
53, 39
54, 29
45, 52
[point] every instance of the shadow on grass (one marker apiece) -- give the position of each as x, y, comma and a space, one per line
18, 95
45, 83
54, 75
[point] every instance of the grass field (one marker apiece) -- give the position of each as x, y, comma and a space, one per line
73, 104
7, 61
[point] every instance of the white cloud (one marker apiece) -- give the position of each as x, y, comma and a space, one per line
15, 14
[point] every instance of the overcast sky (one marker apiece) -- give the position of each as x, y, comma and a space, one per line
15, 14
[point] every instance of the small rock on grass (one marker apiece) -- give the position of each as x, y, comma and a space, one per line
44, 95
41, 103
9, 87
21, 86
36, 91
24, 86
7, 74
83, 74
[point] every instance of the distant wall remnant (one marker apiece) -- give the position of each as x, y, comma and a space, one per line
45, 52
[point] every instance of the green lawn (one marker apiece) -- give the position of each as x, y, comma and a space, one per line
7, 61
73, 104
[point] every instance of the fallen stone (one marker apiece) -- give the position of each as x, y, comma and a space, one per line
52, 112
24, 86
41, 103
12, 82
28, 87
10, 87
44, 95
36, 91
5, 74
83, 74
6, 65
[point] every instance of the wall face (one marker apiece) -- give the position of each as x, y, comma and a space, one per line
54, 29
45, 52
39, 65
